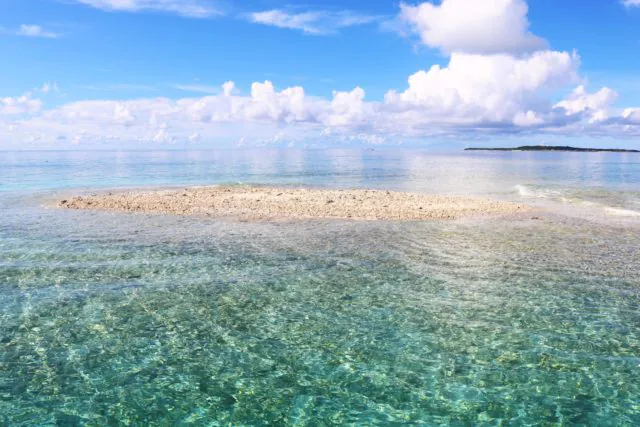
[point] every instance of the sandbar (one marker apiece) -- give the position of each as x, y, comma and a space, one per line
270, 203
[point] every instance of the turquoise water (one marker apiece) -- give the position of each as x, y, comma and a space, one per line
150, 320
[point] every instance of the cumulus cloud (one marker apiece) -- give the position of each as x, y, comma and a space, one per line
596, 104
162, 120
485, 88
631, 3
440, 101
503, 81
471, 26
311, 22
631, 116
228, 88
348, 108
500, 75
185, 8
24, 104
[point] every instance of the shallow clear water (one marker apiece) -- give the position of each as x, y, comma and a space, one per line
111, 318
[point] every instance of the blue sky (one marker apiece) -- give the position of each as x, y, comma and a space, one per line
161, 49
124, 54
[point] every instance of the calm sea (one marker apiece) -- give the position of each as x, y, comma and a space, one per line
113, 318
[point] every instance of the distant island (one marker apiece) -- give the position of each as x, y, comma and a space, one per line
556, 148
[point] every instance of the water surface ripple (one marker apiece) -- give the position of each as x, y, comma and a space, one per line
150, 320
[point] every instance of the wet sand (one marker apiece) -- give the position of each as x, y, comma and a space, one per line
269, 203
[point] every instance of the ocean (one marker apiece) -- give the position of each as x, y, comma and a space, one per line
130, 319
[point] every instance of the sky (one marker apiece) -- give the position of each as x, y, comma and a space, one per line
218, 73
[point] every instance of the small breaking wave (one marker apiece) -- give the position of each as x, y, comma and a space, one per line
598, 202
539, 193
621, 212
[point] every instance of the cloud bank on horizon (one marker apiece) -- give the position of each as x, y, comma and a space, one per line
497, 81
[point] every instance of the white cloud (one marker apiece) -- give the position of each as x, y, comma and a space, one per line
228, 88
632, 115
163, 137
631, 3
348, 108
440, 101
266, 103
311, 22
485, 88
595, 104
472, 26
49, 87
24, 104
502, 83
186, 8
26, 30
